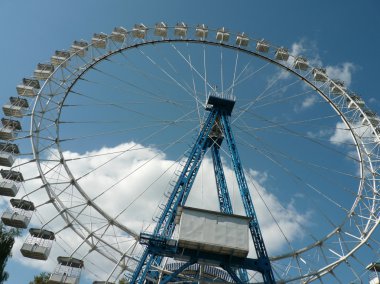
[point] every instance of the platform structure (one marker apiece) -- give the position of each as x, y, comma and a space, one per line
215, 129
212, 239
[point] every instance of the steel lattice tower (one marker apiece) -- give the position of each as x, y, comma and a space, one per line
216, 128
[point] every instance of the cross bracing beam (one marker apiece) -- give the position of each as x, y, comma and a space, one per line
254, 227
225, 204
221, 184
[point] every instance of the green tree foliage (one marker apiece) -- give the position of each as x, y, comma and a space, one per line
123, 281
41, 279
7, 239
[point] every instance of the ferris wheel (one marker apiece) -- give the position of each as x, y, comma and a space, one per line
136, 132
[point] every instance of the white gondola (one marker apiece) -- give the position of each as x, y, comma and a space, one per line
67, 271
201, 31
180, 29
301, 63
43, 71
9, 188
12, 175
38, 244
7, 134
9, 129
28, 87
139, 31
60, 57
14, 110
319, 74
281, 54
17, 107
119, 34
242, 39
355, 102
10, 148
8, 154
10, 184
222, 35
6, 159
99, 40
161, 29
262, 46
11, 123
370, 118
337, 87
19, 216
79, 47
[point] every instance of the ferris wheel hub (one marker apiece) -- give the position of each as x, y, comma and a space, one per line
222, 102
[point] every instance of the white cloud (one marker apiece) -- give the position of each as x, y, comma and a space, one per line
342, 72
342, 134
306, 103
322, 133
298, 48
129, 180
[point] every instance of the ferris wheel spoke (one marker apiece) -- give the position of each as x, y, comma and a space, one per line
132, 172
157, 94
146, 190
197, 72
134, 145
306, 137
250, 180
221, 69
245, 108
181, 86
116, 106
297, 178
270, 150
205, 71
250, 74
265, 146
234, 75
194, 86
273, 101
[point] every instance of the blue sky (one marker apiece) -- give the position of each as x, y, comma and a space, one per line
334, 33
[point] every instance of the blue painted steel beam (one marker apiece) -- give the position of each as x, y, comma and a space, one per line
178, 196
232, 273
221, 184
171, 249
178, 271
225, 204
254, 227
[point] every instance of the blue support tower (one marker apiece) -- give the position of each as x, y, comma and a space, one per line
215, 129
254, 227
